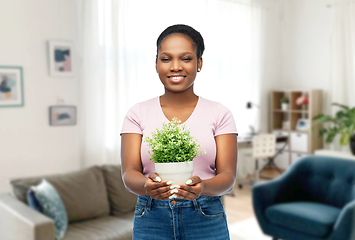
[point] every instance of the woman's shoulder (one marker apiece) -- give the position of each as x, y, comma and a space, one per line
212, 105
141, 110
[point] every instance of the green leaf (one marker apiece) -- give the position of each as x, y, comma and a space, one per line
172, 143
345, 139
342, 123
342, 106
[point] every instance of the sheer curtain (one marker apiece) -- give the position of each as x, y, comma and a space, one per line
343, 58
118, 61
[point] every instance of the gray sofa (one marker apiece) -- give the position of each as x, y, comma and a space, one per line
97, 204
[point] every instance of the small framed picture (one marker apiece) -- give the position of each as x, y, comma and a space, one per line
62, 115
11, 86
61, 58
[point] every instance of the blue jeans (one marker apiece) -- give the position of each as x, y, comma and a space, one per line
203, 218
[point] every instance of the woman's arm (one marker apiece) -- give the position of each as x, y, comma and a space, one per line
132, 170
226, 171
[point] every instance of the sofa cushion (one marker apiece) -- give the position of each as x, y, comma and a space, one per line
314, 219
104, 228
52, 206
83, 192
121, 200
33, 202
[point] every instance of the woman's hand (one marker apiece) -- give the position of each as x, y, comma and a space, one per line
189, 191
156, 188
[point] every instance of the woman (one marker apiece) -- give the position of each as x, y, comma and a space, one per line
193, 210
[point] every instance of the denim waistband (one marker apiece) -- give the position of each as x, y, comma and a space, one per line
150, 202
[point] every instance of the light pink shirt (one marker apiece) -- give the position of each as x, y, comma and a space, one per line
208, 120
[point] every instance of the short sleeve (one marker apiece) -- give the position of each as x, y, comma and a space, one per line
225, 122
131, 122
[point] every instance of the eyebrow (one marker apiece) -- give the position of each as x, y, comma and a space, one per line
180, 54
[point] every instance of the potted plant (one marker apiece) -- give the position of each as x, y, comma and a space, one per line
342, 123
173, 151
284, 103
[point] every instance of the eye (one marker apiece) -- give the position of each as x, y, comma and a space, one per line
164, 59
187, 59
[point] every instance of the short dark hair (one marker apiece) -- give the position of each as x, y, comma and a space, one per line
188, 31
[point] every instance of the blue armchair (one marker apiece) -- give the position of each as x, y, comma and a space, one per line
314, 199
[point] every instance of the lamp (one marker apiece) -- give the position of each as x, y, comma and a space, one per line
250, 105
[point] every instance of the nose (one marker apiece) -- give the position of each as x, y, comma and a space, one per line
175, 66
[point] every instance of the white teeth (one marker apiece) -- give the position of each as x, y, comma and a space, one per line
176, 78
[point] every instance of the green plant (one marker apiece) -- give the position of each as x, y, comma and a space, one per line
342, 123
173, 143
284, 100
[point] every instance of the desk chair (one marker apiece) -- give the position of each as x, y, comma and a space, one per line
264, 147
271, 160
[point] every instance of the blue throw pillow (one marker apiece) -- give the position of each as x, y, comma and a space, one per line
52, 206
32, 201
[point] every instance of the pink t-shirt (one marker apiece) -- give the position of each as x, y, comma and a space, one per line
209, 119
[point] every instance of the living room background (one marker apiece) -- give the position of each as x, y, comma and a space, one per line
297, 55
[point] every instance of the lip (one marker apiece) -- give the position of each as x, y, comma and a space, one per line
176, 78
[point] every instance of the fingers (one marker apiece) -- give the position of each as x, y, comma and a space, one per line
156, 188
190, 190
164, 190
193, 181
154, 177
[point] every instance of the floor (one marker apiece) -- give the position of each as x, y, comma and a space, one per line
238, 206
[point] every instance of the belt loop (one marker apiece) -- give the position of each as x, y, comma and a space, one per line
195, 204
149, 204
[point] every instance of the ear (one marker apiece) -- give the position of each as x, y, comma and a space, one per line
156, 64
199, 63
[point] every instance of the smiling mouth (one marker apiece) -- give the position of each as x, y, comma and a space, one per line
176, 79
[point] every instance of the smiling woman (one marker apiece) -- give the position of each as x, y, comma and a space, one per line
179, 58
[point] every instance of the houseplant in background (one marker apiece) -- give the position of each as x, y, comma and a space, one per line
284, 103
342, 123
173, 151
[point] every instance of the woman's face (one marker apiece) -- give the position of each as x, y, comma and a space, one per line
177, 63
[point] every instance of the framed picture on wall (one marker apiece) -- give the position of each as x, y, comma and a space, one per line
11, 86
61, 58
62, 115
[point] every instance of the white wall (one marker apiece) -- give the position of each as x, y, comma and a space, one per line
297, 48
28, 145
272, 57
306, 31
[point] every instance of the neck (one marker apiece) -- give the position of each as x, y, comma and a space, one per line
180, 99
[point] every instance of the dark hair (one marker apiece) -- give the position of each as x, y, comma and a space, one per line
188, 31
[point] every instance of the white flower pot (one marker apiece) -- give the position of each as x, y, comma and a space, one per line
177, 172
284, 106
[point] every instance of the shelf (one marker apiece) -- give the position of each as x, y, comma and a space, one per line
298, 111
286, 120
279, 110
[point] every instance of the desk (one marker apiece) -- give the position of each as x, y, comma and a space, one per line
246, 162
331, 153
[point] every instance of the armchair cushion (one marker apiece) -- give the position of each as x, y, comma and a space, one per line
311, 218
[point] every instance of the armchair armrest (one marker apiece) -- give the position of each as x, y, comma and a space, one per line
265, 194
344, 227
18, 221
